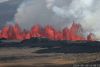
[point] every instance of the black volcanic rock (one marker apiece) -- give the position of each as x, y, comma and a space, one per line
3, 39
63, 46
52, 46
45, 42
35, 40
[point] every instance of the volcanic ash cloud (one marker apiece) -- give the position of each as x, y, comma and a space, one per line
56, 12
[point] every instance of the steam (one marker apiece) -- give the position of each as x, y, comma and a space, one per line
50, 3
60, 13
86, 12
33, 12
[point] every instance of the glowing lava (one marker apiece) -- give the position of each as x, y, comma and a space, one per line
74, 33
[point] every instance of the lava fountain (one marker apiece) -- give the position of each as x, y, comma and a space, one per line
74, 33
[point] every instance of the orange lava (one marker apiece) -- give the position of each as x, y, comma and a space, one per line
14, 32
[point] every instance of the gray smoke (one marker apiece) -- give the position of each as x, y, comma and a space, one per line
60, 13
33, 12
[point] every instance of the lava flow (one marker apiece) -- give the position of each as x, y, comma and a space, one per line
14, 32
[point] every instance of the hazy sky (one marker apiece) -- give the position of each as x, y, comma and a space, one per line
7, 10
3, 1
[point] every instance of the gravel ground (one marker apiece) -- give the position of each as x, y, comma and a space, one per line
26, 57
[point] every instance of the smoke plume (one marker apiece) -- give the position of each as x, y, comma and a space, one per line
60, 13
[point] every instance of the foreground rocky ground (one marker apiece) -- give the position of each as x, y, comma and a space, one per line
28, 57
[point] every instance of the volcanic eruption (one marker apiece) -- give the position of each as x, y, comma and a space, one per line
74, 33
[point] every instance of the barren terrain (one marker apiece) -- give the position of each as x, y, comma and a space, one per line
27, 57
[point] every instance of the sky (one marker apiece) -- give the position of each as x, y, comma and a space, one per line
1, 1
58, 13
